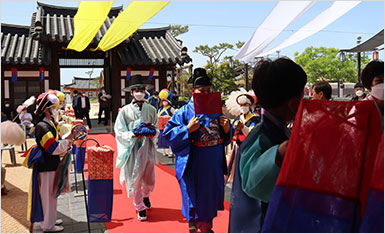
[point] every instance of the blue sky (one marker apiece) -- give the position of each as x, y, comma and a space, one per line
213, 22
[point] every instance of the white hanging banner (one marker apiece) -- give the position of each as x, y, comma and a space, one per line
332, 13
282, 15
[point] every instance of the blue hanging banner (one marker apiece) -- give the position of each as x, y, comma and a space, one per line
128, 76
14, 74
151, 73
41, 76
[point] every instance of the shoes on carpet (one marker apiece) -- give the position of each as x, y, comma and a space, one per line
55, 229
147, 202
59, 222
192, 227
3, 191
142, 215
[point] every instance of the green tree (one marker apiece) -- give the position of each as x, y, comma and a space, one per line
178, 29
214, 53
223, 77
96, 82
323, 64
185, 88
218, 68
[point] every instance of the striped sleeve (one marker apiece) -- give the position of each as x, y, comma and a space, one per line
48, 142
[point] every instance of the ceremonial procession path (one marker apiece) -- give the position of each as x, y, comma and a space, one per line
165, 215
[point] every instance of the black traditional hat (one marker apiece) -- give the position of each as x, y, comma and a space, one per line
137, 82
45, 101
200, 78
359, 85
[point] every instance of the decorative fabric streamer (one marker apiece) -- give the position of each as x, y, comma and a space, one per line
328, 16
14, 74
61, 182
151, 74
145, 129
283, 14
87, 22
127, 22
41, 75
128, 76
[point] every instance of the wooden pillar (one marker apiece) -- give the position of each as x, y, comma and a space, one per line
162, 77
173, 80
54, 71
114, 79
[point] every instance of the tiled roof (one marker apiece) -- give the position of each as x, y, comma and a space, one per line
81, 83
28, 44
57, 23
17, 46
154, 46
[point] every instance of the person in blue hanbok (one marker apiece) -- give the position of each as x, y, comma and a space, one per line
198, 142
279, 87
136, 154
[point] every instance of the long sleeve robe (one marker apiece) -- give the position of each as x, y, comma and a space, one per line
134, 153
255, 176
199, 170
258, 168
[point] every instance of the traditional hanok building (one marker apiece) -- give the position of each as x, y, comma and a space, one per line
82, 84
28, 52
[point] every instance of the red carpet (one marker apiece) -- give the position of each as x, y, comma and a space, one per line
165, 214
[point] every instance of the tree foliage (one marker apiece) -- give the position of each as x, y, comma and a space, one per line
215, 52
178, 29
323, 64
96, 82
185, 88
223, 77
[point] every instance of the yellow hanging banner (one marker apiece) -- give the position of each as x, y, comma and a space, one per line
87, 21
127, 22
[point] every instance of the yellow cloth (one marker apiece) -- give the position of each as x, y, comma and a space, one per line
64, 128
127, 22
87, 21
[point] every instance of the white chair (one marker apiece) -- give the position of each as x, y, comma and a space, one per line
12, 154
24, 146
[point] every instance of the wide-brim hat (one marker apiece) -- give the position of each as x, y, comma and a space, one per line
200, 78
251, 98
45, 101
165, 95
136, 81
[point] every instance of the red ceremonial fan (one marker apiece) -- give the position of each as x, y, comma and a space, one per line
207, 103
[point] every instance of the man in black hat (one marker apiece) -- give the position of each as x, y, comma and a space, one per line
200, 163
136, 154
359, 91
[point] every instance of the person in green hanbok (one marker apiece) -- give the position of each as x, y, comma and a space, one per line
279, 88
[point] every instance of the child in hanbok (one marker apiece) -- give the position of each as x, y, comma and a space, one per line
164, 114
